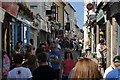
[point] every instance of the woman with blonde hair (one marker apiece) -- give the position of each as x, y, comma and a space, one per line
29, 51
87, 48
86, 69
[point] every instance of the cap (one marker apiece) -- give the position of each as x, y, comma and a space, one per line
116, 58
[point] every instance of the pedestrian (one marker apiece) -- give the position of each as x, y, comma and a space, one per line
31, 63
58, 47
55, 59
87, 48
29, 51
115, 63
71, 44
80, 49
68, 64
100, 49
19, 72
66, 42
6, 64
114, 74
18, 49
44, 71
104, 56
32, 43
85, 69
47, 47
40, 49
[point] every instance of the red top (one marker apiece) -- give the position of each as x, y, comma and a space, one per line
47, 49
68, 65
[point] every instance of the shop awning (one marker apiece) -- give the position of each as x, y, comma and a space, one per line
11, 8
114, 8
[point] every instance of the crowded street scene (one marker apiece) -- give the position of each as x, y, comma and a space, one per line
60, 40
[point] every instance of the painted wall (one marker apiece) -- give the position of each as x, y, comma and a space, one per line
70, 10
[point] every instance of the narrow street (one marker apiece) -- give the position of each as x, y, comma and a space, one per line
28, 26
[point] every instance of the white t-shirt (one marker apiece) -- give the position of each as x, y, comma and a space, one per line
110, 68
19, 72
86, 47
98, 52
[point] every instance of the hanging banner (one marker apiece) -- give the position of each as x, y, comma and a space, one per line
11, 8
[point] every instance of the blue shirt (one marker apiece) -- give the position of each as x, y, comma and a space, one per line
113, 75
55, 55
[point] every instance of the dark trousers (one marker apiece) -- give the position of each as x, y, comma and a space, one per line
57, 71
64, 77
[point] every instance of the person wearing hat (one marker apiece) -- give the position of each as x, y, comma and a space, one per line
113, 75
100, 50
44, 71
115, 63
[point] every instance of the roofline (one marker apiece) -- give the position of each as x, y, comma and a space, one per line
63, 3
71, 7
76, 25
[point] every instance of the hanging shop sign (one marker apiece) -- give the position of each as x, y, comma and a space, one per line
89, 6
53, 11
11, 8
24, 10
24, 20
100, 15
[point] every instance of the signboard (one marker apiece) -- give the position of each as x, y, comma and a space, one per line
100, 15
11, 8
53, 11
89, 6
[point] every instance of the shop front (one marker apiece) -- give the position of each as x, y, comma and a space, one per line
1, 21
11, 10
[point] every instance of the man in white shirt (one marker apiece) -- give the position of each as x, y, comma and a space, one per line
100, 50
115, 63
19, 72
